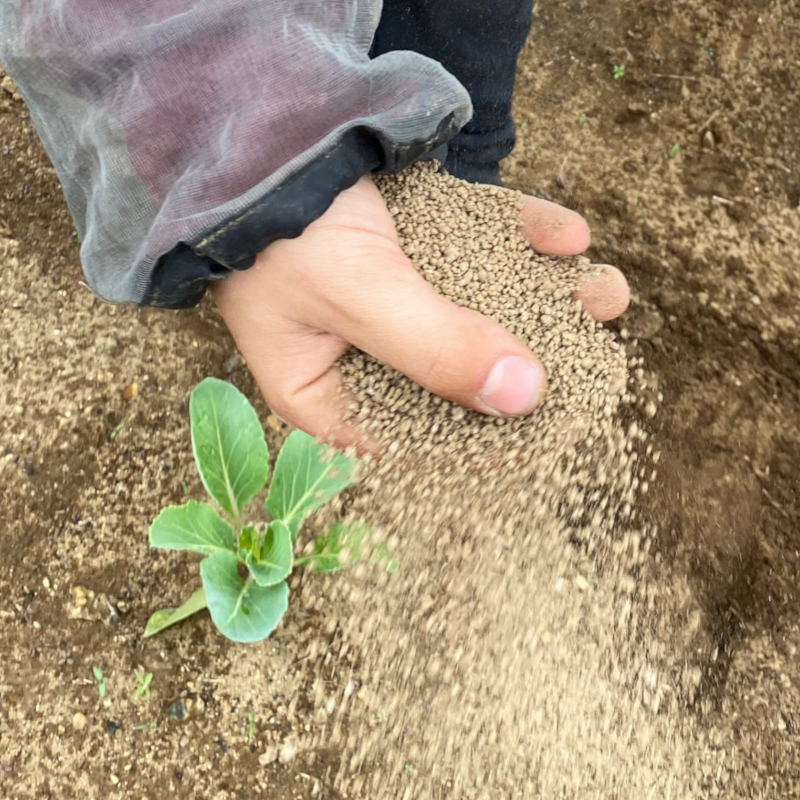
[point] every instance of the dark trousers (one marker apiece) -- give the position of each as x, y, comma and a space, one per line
478, 41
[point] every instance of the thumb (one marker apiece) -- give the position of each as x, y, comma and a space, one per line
454, 352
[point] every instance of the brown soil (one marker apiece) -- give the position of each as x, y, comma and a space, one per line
708, 234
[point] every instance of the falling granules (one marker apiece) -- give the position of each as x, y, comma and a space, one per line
509, 656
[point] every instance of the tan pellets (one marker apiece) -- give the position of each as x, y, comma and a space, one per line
507, 655
465, 241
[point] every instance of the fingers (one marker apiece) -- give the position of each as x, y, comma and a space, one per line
456, 353
557, 231
552, 229
606, 295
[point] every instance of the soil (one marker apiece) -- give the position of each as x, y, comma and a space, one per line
687, 169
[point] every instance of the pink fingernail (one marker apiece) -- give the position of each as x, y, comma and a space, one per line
513, 387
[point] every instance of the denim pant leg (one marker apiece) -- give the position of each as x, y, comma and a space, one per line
478, 41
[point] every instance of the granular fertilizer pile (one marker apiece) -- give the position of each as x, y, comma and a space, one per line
465, 241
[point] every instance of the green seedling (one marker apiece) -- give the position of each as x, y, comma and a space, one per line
251, 728
101, 681
144, 681
117, 430
246, 564
618, 71
145, 726
674, 150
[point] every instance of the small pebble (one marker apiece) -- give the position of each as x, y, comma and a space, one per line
269, 756
177, 710
288, 752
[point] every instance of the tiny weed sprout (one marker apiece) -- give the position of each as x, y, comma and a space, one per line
101, 681
251, 728
144, 681
246, 564
618, 71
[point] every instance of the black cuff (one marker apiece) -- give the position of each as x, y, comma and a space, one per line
181, 277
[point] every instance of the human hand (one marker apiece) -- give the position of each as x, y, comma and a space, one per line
345, 281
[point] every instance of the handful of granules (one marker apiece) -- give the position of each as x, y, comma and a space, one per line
465, 240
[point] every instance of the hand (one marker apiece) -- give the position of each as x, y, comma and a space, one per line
346, 281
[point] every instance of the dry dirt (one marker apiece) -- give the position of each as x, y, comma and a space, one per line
686, 166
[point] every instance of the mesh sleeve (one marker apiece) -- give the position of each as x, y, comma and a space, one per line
188, 134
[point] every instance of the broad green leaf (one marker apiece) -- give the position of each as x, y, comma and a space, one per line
193, 526
307, 475
241, 609
330, 547
169, 616
229, 445
274, 563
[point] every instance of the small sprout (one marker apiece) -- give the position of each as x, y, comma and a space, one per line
117, 428
144, 681
674, 150
101, 681
580, 120
185, 487
410, 769
618, 71
251, 728
145, 726
246, 565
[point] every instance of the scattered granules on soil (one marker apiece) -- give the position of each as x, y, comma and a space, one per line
508, 656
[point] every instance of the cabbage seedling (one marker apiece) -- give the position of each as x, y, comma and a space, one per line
246, 565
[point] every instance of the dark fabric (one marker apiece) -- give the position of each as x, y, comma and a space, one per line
478, 41
181, 277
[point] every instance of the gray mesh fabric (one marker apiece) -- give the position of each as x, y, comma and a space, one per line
166, 118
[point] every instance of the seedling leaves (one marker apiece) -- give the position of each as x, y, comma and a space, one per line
193, 526
307, 475
241, 609
169, 616
229, 445
347, 543
274, 563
